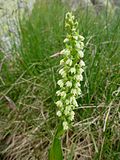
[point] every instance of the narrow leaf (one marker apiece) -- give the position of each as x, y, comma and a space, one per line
55, 152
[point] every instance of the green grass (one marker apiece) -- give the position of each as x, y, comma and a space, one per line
28, 86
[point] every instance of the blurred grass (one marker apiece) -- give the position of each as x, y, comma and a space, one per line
28, 86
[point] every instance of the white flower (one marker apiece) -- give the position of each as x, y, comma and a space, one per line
63, 94
75, 37
69, 62
81, 38
66, 40
66, 112
62, 62
62, 72
77, 85
78, 91
69, 84
81, 70
74, 91
58, 93
65, 125
72, 114
82, 64
81, 54
79, 77
67, 102
59, 113
59, 103
73, 70
75, 103
72, 98
60, 83
78, 45
81, 45
66, 52
69, 107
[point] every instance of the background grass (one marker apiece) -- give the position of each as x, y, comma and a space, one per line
28, 86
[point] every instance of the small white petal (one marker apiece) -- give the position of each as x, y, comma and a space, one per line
67, 102
81, 70
69, 84
59, 103
74, 91
65, 125
81, 38
60, 83
72, 99
82, 64
62, 62
73, 70
59, 113
75, 103
75, 37
66, 40
58, 93
72, 114
69, 107
81, 44
62, 72
79, 77
78, 46
81, 54
77, 85
63, 94
66, 112
69, 62
66, 52
78, 91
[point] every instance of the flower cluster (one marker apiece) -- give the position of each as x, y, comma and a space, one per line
72, 67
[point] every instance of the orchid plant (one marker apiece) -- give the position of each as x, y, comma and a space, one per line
71, 70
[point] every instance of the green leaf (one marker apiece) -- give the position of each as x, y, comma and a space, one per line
55, 152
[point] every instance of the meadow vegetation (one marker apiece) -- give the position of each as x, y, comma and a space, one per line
28, 86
